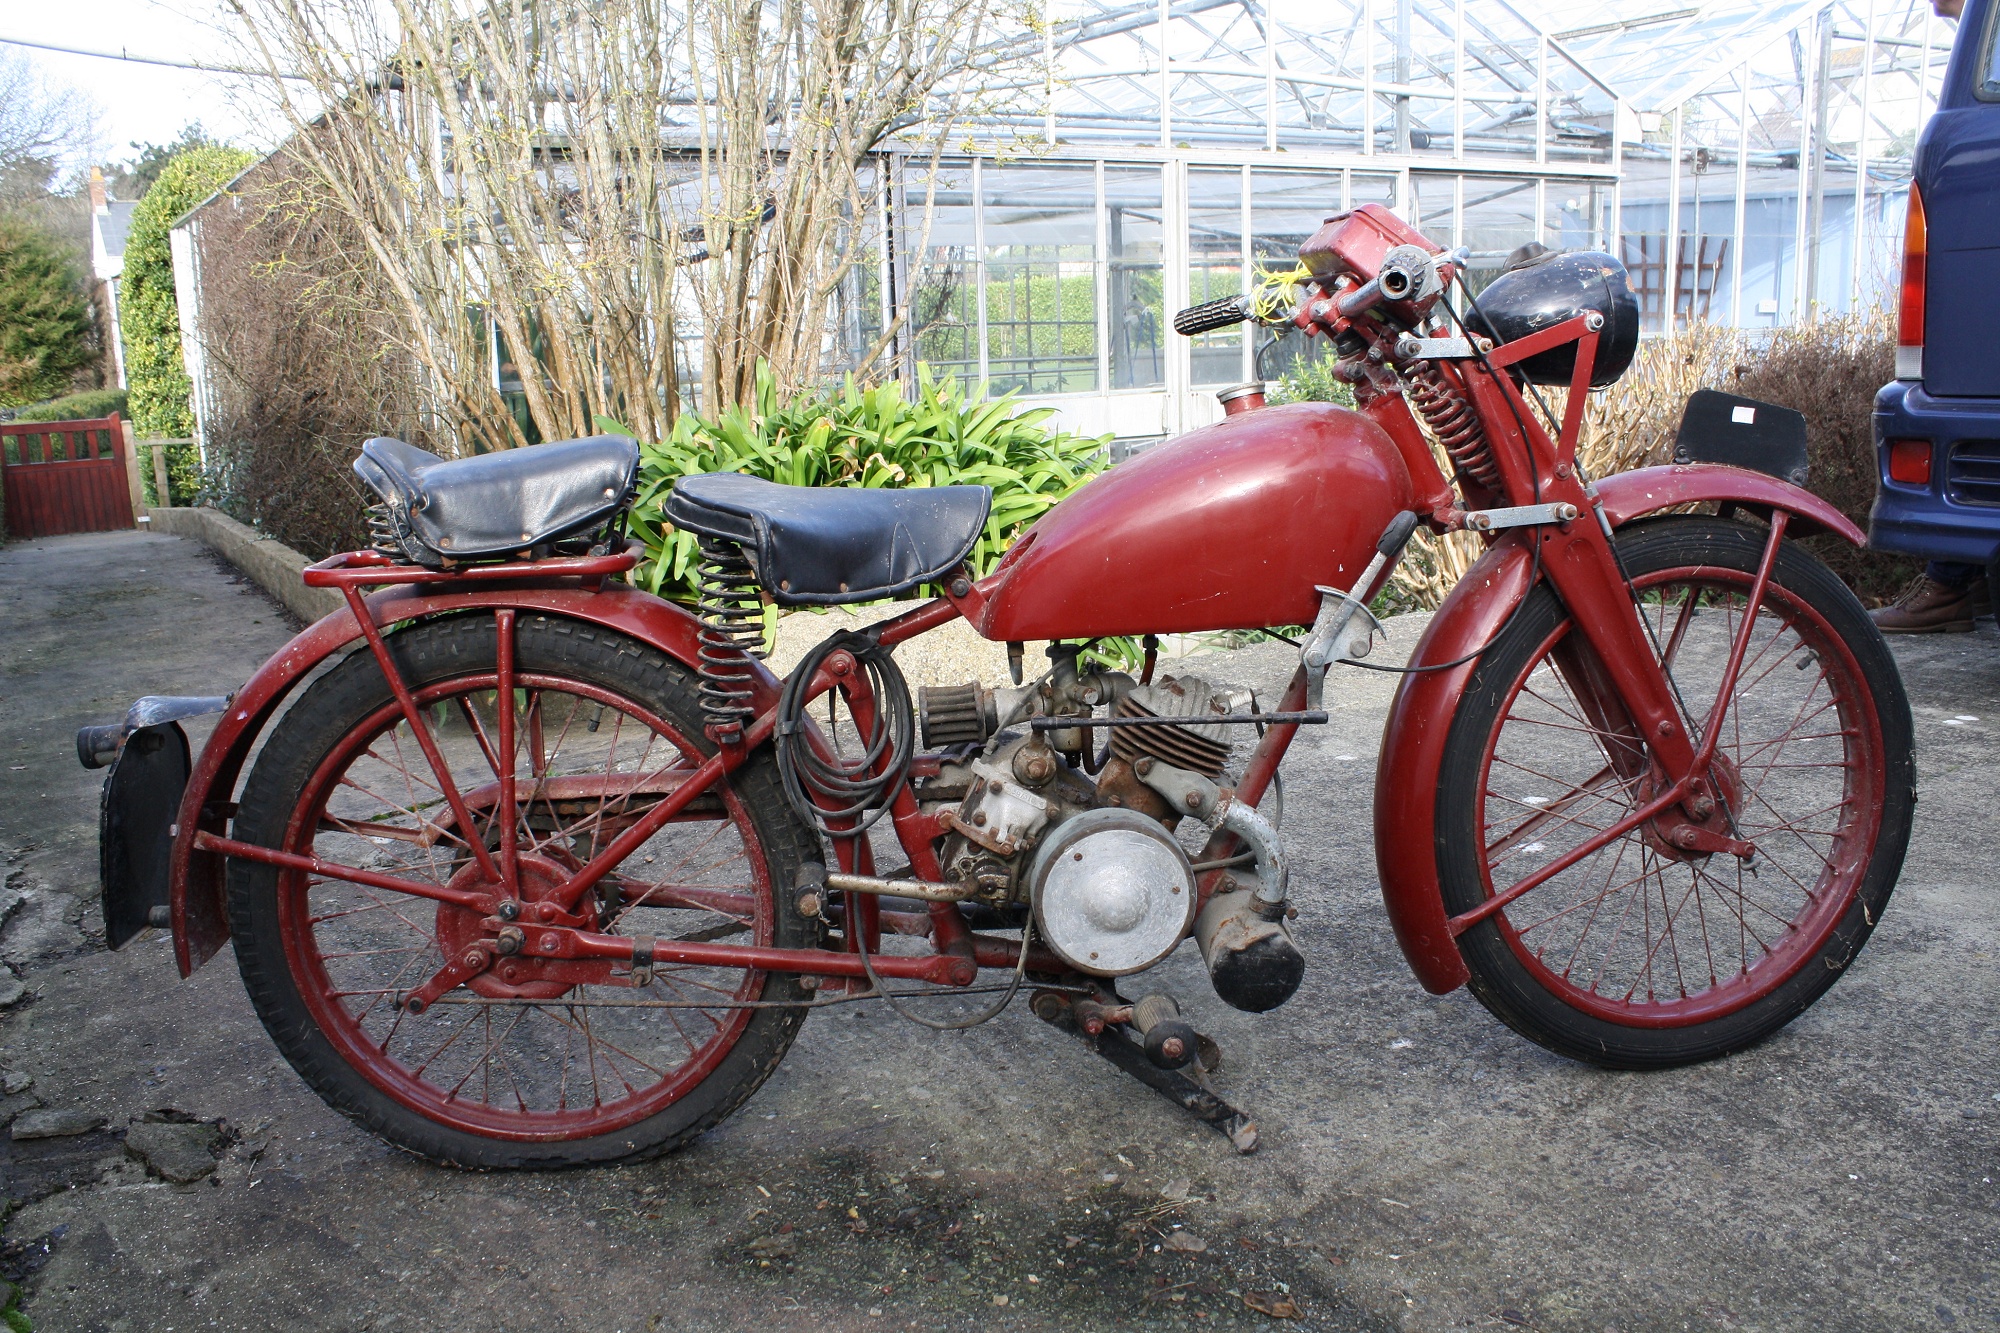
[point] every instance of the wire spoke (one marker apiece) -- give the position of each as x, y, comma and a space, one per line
572, 1044
1639, 923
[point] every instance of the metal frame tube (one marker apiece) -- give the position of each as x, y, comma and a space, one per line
1742, 189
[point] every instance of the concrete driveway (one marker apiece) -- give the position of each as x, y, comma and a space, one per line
1422, 1168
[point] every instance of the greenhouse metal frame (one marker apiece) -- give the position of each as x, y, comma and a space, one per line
1749, 163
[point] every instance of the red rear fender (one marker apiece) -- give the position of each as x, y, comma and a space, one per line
201, 923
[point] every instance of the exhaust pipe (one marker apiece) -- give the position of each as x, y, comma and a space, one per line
1253, 962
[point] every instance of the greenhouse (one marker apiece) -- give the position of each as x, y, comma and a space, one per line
1749, 163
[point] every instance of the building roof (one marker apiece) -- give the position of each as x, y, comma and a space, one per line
107, 237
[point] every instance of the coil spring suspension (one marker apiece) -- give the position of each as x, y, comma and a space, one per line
1453, 421
732, 633
382, 531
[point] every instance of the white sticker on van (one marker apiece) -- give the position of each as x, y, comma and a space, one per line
1743, 416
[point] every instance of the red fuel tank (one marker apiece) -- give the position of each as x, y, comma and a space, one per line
1227, 527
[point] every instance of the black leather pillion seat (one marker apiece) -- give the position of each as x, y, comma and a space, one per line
822, 546
499, 503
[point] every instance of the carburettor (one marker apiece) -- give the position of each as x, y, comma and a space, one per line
1011, 798
1020, 785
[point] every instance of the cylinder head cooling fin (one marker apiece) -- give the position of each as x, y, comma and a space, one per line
1198, 749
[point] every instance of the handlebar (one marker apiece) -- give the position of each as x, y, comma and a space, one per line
1212, 315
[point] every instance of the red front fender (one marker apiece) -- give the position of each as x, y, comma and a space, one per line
1406, 774
200, 920
1630, 495
1420, 719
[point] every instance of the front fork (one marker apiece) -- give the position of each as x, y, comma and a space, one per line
1622, 682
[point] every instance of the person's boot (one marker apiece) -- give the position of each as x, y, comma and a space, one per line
1926, 607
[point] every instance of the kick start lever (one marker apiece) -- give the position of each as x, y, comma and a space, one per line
1327, 642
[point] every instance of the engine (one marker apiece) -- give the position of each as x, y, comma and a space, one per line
1097, 862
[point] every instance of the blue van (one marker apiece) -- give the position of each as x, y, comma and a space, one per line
1937, 427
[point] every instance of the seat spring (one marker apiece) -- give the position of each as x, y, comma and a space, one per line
732, 634
382, 531
1453, 421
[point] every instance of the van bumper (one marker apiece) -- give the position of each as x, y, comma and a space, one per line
1953, 517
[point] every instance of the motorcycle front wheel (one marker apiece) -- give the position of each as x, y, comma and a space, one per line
1643, 955
535, 1062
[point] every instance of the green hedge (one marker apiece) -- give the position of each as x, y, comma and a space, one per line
148, 312
85, 406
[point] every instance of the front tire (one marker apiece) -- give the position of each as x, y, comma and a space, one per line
535, 1063
1642, 955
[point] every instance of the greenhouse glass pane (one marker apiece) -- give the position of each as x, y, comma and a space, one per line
1041, 278
1580, 117
1437, 208
1703, 252
1770, 224
857, 299
1215, 266
1578, 215
1498, 85
1286, 208
1413, 62
1499, 218
1132, 204
1642, 243
1368, 188
944, 309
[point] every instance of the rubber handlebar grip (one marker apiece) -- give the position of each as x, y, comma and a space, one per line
1212, 315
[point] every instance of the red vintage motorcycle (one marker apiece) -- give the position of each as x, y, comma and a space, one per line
536, 869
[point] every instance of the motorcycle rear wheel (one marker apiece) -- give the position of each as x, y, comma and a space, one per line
1642, 955
533, 1064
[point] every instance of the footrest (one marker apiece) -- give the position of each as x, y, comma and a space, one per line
1192, 1093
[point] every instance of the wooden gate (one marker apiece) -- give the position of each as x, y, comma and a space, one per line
65, 476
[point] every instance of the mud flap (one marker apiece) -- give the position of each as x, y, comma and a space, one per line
142, 798
148, 757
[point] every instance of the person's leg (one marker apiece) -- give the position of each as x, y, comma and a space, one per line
1951, 574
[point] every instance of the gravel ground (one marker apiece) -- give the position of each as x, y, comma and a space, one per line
1422, 1168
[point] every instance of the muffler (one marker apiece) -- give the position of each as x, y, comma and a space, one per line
1253, 962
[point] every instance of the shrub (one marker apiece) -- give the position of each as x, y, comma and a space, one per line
304, 361
864, 437
149, 314
45, 318
1828, 370
85, 406
1831, 371
1310, 380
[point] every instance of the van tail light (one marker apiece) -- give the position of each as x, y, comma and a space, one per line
1910, 462
1910, 308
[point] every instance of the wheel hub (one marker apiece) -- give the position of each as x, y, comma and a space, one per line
1697, 828
515, 977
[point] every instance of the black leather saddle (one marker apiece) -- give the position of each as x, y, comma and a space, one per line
826, 545
499, 503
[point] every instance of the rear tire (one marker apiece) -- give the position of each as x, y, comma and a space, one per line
1642, 956
535, 1071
